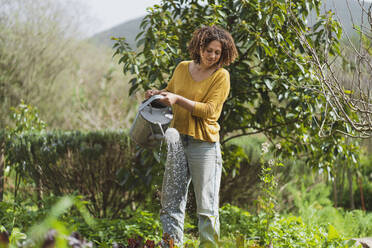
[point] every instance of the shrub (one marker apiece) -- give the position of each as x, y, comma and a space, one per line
103, 166
315, 209
235, 220
284, 231
241, 167
292, 232
68, 214
107, 231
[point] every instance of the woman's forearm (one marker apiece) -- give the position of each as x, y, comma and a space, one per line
185, 103
171, 98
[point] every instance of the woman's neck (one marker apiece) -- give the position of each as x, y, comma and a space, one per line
203, 68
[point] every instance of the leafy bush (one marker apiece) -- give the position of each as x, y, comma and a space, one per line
69, 214
315, 209
107, 231
43, 223
235, 220
241, 167
284, 231
291, 232
104, 167
239, 228
19, 215
351, 224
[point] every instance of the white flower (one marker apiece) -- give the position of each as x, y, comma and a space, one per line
265, 147
271, 162
278, 146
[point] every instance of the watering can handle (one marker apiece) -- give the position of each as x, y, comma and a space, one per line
148, 101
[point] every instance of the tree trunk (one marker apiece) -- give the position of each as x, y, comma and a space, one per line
368, 144
351, 193
361, 192
335, 200
342, 185
39, 193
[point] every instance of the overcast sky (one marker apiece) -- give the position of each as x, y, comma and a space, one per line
108, 13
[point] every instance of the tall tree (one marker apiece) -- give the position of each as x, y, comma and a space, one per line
268, 93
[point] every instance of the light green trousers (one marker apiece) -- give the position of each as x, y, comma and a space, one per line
198, 162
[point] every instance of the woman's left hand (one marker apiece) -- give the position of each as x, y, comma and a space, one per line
169, 98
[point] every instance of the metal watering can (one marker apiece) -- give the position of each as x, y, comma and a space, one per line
152, 119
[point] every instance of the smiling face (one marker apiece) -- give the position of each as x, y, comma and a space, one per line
211, 54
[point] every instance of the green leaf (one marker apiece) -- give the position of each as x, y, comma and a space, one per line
268, 83
301, 67
332, 233
223, 14
347, 92
16, 237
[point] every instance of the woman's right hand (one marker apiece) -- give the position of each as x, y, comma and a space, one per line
150, 93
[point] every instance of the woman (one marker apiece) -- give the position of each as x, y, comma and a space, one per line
196, 92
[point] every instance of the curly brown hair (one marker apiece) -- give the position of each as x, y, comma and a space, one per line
203, 36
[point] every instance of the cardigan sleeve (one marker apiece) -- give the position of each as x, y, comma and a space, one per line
216, 96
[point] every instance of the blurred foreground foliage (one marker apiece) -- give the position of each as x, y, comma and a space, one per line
240, 228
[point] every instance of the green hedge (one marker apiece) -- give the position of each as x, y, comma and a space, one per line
103, 166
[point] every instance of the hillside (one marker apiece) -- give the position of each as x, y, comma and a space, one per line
347, 14
128, 29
